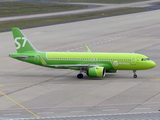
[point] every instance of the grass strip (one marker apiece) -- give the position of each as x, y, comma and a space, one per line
100, 1
61, 19
25, 8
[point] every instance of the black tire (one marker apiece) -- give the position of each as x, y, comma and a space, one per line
135, 76
79, 76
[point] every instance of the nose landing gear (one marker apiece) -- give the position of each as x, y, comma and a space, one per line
135, 75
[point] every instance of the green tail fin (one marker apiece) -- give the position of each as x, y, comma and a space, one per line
21, 42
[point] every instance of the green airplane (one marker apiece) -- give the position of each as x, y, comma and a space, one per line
93, 64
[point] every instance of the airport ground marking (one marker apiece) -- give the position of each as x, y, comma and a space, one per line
155, 79
1, 85
64, 82
95, 115
19, 104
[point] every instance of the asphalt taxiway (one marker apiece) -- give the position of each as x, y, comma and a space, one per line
29, 91
92, 7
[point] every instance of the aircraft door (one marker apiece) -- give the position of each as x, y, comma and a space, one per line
93, 60
133, 60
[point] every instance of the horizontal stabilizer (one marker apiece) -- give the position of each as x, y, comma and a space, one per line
22, 57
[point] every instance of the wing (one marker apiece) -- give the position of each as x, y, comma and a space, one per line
75, 65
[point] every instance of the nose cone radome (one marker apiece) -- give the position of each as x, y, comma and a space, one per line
152, 64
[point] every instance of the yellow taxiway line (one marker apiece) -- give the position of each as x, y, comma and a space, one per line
19, 104
2, 85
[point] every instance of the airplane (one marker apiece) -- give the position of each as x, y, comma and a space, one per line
93, 64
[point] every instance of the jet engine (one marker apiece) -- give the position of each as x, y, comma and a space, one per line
96, 72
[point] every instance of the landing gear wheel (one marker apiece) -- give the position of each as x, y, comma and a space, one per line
134, 72
135, 76
79, 76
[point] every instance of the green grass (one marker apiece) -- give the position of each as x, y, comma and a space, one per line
23, 8
61, 19
100, 1
158, 3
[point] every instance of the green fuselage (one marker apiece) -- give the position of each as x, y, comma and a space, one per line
110, 61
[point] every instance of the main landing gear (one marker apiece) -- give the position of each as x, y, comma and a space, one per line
134, 72
80, 75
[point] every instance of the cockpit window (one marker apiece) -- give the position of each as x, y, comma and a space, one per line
145, 59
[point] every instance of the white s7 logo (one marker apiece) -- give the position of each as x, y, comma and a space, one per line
18, 44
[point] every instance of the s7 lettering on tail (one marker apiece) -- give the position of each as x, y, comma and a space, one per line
18, 42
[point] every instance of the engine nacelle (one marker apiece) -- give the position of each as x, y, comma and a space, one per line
96, 72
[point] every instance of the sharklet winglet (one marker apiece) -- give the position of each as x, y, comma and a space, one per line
87, 49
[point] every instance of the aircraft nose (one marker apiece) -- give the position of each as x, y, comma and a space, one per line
152, 64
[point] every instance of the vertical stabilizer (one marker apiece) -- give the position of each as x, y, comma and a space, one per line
21, 42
